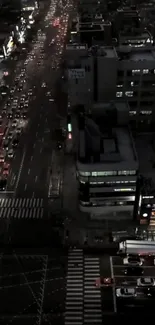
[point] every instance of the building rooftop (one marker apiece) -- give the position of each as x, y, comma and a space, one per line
106, 146
137, 54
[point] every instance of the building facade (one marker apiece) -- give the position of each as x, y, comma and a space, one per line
107, 73
107, 165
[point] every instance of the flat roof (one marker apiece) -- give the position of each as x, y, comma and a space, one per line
112, 148
136, 54
108, 51
148, 55
146, 156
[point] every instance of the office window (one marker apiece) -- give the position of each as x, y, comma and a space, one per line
129, 93
145, 71
119, 94
126, 172
135, 72
104, 173
84, 173
131, 113
145, 112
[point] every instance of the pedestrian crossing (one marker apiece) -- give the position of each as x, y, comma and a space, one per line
21, 208
74, 288
83, 299
92, 294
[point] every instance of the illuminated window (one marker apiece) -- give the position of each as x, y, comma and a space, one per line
146, 112
119, 94
131, 113
120, 86
129, 93
136, 71
145, 71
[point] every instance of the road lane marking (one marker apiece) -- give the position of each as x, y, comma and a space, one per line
41, 150
123, 266
13, 178
113, 288
20, 170
29, 171
31, 158
36, 178
36, 134
25, 187
42, 140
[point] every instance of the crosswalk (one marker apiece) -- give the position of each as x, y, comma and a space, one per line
74, 288
92, 294
21, 208
83, 299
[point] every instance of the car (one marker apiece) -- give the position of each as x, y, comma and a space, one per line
15, 142
126, 292
6, 145
133, 260
24, 114
3, 184
2, 157
103, 282
133, 271
145, 282
14, 124
10, 153
149, 292
6, 169
10, 135
17, 114
10, 115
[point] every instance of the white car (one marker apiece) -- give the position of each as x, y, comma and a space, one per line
133, 260
126, 292
10, 153
145, 282
14, 123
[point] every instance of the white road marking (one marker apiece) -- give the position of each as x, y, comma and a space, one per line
36, 134
42, 140
29, 171
33, 195
25, 187
113, 288
31, 158
36, 178
13, 178
20, 170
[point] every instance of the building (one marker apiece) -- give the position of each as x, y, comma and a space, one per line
107, 165
99, 74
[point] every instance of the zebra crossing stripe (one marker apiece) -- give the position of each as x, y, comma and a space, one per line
74, 288
21, 208
92, 295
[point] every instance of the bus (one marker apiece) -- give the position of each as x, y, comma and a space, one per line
54, 187
137, 247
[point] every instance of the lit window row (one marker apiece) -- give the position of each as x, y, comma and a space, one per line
131, 113
127, 94
146, 112
108, 173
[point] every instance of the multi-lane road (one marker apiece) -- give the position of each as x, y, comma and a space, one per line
29, 176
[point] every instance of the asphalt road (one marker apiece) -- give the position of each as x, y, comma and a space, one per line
32, 161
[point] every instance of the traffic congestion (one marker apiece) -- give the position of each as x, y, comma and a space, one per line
16, 110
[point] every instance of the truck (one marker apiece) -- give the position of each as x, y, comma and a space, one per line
137, 247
